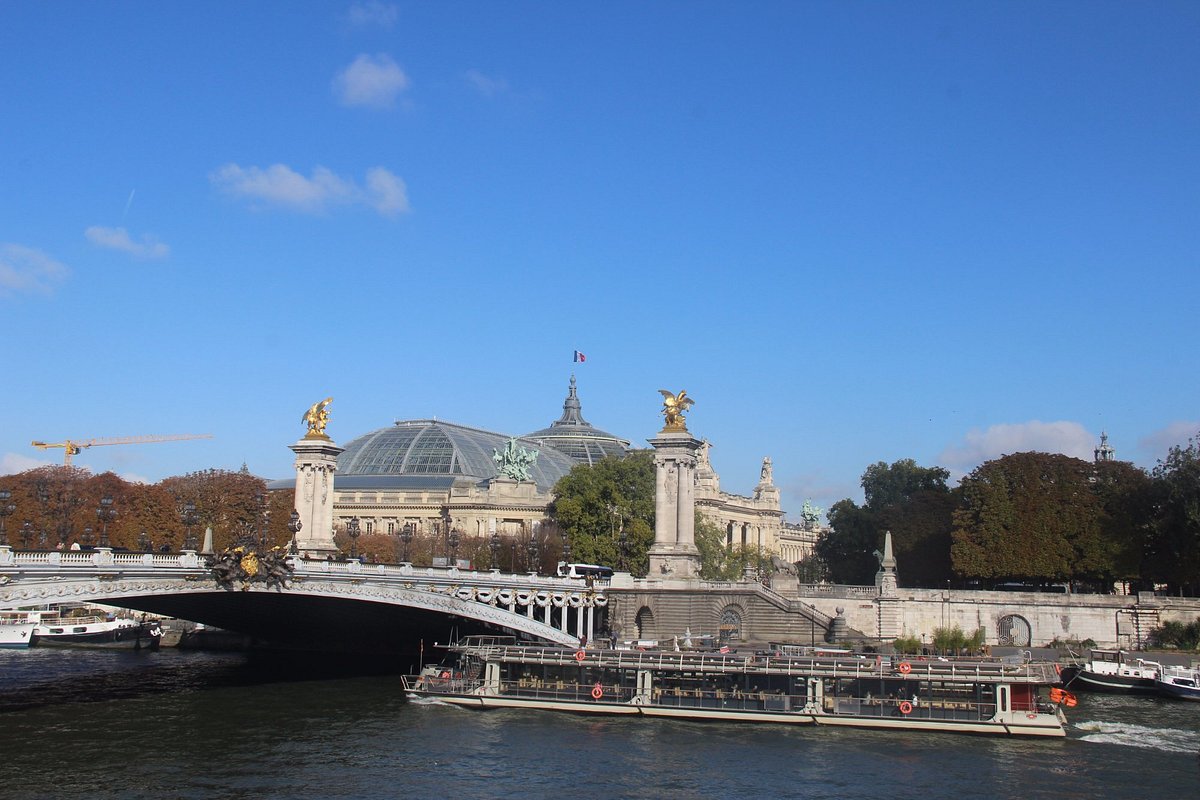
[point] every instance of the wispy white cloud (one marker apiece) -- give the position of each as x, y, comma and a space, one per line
486, 84
978, 446
372, 14
119, 239
280, 185
26, 269
372, 81
1155, 445
12, 463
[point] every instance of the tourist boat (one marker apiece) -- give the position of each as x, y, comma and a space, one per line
989, 696
1112, 671
1182, 683
95, 631
16, 629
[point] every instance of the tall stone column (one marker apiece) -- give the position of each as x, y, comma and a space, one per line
674, 552
316, 462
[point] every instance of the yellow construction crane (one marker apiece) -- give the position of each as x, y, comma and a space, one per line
73, 447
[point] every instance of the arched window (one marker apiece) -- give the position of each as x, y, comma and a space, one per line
644, 622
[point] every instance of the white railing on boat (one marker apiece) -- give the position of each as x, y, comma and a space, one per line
893, 667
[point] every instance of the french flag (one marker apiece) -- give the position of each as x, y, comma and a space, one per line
580, 357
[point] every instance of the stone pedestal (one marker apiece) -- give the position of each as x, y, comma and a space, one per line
674, 552
316, 461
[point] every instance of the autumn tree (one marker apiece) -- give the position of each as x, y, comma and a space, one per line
231, 503
1030, 516
718, 560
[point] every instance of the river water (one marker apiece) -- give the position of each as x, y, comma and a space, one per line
171, 724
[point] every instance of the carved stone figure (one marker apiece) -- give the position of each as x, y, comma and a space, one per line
317, 417
765, 475
674, 407
515, 462
782, 566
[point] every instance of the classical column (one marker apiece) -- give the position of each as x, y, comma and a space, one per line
316, 462
674, 551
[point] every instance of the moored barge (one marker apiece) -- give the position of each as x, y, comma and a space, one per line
984, 696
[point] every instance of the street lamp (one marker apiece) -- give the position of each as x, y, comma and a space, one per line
43, 496
534, 565
105, 513
406, 536
494, 546
88, 538
6, 508
190, 518
623, 544
294, 525
566, 546
264, 519
26, 534
354, 532
454, 538
144, 543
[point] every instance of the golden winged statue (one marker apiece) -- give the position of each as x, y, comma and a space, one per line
674, 407
317, 418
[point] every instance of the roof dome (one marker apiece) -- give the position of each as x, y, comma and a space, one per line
576, 437
431, 449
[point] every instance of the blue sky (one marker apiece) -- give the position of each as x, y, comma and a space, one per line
851, 231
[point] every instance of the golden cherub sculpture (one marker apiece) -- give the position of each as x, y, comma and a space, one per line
674, 407
317, 418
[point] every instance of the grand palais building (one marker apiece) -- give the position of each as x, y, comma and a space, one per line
438, 476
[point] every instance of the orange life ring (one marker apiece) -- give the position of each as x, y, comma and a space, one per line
445, 675
905, 668
597, 692
580, 655
905, 707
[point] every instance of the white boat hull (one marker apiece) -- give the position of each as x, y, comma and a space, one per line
17, 635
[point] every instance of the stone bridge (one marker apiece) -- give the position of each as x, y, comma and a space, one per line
342, 606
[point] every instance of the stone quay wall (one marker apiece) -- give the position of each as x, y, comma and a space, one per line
803, 614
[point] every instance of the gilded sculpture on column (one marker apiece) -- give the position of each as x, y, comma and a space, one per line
317, 417
674, 407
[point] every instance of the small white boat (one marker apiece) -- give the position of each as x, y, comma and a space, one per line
1182, 683
16, 632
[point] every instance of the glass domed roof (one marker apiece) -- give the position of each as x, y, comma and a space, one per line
576, 437
437, 449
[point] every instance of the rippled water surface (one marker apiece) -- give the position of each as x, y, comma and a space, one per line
188, 725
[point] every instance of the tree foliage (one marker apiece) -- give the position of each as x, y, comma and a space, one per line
905, 498
718, 561
1032, 516
595, 503
1172, 551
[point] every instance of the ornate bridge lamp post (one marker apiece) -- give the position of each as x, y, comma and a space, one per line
26, 534
406, 536
6, 508
144, 543
623, 548
264, 520
535, 566
190, 518
494, 546
106, 514
454, 538
566, 546
88, 536
353, 531
294, 525
43, 496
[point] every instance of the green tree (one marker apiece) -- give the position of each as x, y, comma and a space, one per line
595, 504
718, 562
1172, 553
1029, 516
909, 500
848, 549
